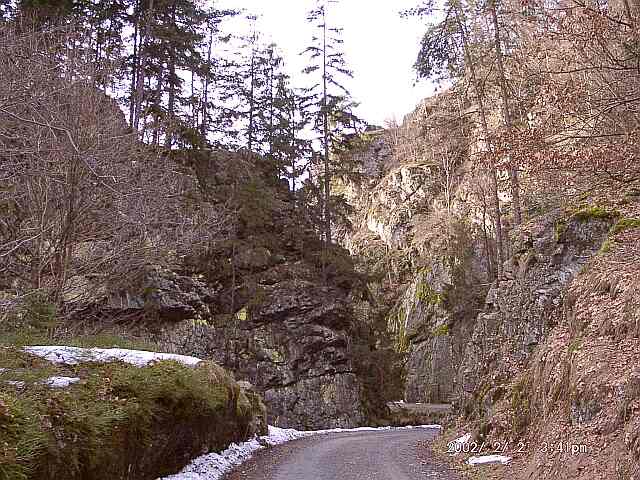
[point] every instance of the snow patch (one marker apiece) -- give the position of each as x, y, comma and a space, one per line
60, 382
489, 459
75, 355
52, 382
456, 446
463, 440
214, 465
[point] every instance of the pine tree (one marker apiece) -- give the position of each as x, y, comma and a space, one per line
216, 78
171, 43
252, 83
328, 99
288, 145
106, 21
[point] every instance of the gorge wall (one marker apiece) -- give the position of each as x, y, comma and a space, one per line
525, 358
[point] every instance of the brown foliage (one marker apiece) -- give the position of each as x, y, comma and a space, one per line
82, 203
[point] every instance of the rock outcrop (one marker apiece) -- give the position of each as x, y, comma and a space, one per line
520, 311
262, 297
416, 227
294, 348
278, 307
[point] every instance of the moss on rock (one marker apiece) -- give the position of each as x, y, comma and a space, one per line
520, 407
625, 224
425, 294
594, 212
441, 331
119, 421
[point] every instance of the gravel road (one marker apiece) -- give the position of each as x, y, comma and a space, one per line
381, 455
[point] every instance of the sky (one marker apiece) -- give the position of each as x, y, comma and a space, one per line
380, 47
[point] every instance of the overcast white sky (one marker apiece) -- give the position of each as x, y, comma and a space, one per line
380, 48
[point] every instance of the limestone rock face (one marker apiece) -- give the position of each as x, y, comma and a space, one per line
426, 246
294, 349
438, 310
161, 296
519, 313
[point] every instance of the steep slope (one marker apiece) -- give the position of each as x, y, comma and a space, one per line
544, 358
189, 250
417, 226
555, 381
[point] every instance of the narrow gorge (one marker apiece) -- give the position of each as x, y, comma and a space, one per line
208, 271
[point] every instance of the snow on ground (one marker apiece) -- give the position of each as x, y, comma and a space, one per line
458, 445
75, 355
489, 459
463, 439
60, 382
52, 382
214, 465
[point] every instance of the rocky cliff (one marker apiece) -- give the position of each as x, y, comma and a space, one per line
254, 299
543, 356
418, 226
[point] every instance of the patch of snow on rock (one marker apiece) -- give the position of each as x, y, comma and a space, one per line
456, 446
463, 440
75, 355
214, 465
489, 459
60, 382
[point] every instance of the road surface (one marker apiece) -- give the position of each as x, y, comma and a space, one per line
377, 455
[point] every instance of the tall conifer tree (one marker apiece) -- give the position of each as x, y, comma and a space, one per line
327, 98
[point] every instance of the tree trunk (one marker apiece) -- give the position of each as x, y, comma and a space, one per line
506, 111
292, 148
204, 125
325, 123
141, 67
171, 105
134, 66
252, 78
485, 130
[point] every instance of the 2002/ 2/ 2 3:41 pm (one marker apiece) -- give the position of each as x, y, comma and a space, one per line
520, 447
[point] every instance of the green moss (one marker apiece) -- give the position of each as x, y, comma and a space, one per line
625, 224
397, 323
242, 314
274, 355
520, 407
441, 331
559, 228
425, 294
621, 226
575, 345
118, 422
606, 247
594, 212
23, 439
